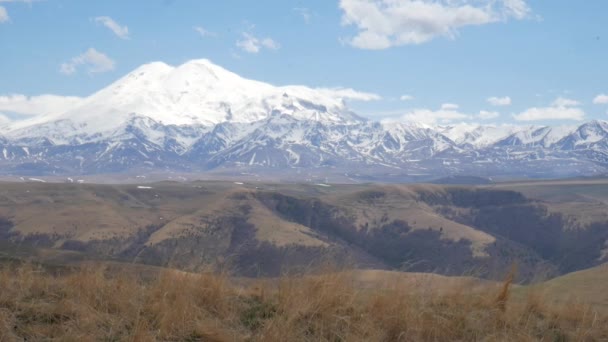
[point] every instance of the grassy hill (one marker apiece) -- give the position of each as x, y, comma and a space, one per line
587, 286
262, 229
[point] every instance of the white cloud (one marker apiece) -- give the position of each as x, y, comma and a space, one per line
487, 115
449, 106
304, 13
204, 32
95, 61
386, 23
448, 112
565, 102
560, 109
4, 15
499, 101
350, 94
517, 9
120, 31
4, 120
37, 105
406, 97
601, 99
251, 44
428, 116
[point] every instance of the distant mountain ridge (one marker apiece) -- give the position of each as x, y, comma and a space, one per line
199, 117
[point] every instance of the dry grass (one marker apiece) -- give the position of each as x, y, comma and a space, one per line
94, 304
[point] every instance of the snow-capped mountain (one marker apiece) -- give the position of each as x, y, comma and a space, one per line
199, 117
195, 93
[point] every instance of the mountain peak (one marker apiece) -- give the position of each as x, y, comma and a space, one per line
156, 65
206, 65
597, 123
203, 62
201, 75
197, 92
162, 66
157, 69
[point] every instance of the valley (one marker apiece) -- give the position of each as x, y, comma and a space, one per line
268, 229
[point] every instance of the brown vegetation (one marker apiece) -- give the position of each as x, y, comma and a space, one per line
96, 304
263, 229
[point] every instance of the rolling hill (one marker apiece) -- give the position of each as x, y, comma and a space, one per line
265, 229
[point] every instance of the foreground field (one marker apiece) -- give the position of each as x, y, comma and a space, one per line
95, 304
588, 286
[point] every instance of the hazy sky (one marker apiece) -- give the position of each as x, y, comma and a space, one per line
493, 61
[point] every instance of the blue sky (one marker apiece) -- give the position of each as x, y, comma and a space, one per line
542, 61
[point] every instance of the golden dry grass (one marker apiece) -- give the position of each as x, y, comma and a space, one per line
94, 304
590, 285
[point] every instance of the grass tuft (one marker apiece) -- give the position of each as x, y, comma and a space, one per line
96, 303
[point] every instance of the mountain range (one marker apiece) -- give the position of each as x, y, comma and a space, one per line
201, 118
